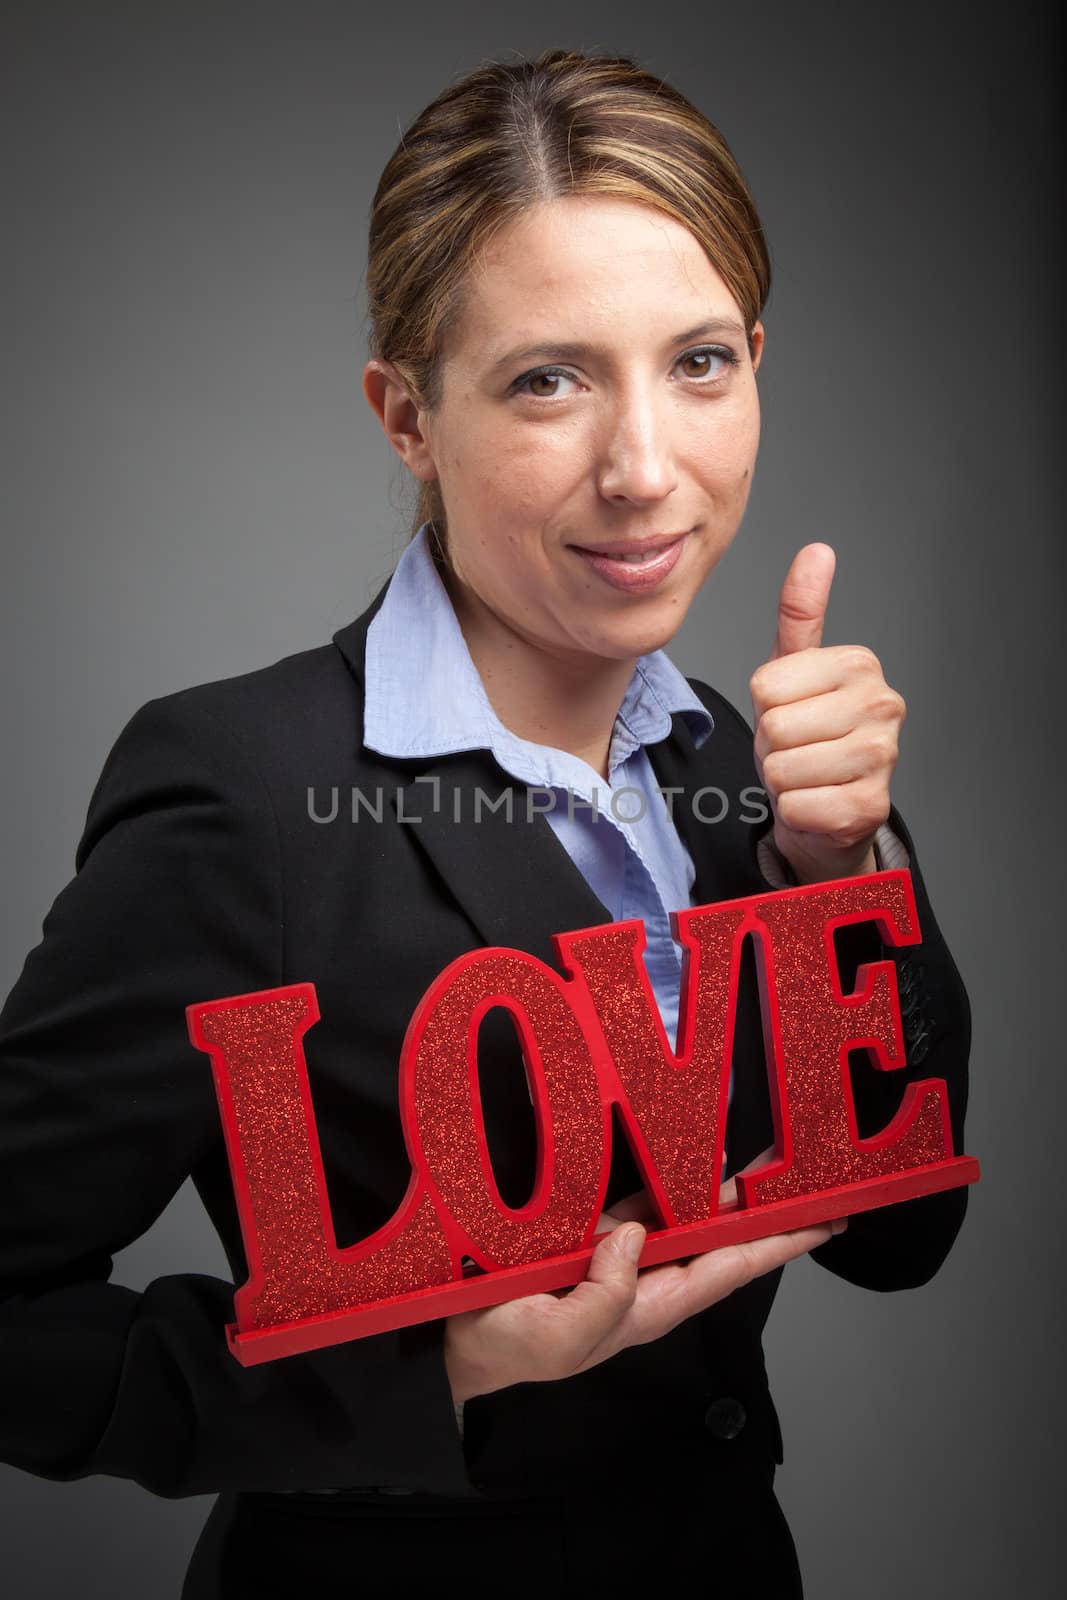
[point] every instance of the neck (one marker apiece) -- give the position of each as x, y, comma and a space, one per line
567, 702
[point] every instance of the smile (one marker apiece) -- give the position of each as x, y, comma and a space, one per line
634, 566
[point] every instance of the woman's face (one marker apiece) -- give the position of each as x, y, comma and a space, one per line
596, 433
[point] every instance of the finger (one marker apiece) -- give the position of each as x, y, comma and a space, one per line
602, 1299
858, 755
803, 600
812, 673
717, 1273
808, 722
844, 813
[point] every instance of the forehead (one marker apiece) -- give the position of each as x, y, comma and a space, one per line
587, 264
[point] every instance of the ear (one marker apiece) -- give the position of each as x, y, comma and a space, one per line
756, 345
398, 412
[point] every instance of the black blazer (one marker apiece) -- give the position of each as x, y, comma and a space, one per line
202, 873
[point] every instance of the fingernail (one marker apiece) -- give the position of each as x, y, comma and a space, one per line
839, 1225
632, 1243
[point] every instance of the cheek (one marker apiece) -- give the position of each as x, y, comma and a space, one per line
726, 457
538, 466
516, 494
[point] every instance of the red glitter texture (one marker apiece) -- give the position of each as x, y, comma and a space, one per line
810, 1027
295, 1268
670, 1103
443, 1114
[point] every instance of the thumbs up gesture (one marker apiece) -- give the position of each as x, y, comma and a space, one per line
826, 726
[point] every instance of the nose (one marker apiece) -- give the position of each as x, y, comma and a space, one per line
636, 460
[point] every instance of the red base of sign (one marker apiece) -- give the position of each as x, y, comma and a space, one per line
728, 1226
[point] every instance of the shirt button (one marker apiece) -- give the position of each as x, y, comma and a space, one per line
725, 1417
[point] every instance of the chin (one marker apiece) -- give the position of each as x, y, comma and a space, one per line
627, 646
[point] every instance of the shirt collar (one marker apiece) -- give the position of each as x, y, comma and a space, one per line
424, 696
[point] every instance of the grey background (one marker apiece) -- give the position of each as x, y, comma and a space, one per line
193, 485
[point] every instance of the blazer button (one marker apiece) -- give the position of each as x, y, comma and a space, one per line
725, 1417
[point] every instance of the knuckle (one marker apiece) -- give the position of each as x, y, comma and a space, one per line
887, 704
862, 821
774, 772
881, 744
860, 658
873, 803
877, 815
842, 825
757, 685
792, 809
773, 724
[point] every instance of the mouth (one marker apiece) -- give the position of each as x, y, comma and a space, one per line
634, 565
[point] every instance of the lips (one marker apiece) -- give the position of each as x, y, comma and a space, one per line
633, 548
634, 565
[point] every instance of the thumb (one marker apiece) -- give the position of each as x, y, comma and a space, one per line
607, 1291
803, 600
614, 1261
623, 1253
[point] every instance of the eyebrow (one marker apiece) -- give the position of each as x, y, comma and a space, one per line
565, 351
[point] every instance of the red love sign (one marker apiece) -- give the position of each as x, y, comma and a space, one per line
591, 1041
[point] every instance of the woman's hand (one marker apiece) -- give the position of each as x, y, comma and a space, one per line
543, 1337
827, 726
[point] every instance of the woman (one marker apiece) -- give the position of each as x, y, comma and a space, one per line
566, 280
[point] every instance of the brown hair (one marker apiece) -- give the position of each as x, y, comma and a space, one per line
511, 135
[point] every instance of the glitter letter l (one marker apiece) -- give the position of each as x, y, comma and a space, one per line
297, 1277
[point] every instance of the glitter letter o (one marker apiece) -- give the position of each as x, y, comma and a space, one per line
443, 1113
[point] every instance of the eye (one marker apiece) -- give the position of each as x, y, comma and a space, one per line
718, 358
550, 374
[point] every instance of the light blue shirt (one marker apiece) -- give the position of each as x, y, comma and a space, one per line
424, 698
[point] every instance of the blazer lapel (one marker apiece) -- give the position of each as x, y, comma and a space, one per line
725, 865
505, 866
502, 862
